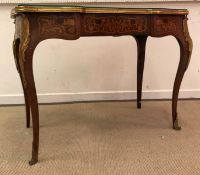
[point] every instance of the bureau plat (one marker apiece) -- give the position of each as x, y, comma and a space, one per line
35, 23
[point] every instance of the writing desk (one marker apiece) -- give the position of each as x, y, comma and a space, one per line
35, 23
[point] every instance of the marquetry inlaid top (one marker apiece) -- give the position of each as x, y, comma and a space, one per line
83, 9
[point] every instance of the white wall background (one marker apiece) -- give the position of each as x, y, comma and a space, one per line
102, 68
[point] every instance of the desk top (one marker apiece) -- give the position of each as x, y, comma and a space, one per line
83, 9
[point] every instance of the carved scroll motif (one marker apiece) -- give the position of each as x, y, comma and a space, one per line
113, 24
165, 25
57, 26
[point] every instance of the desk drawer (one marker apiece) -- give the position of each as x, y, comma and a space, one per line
163, 25
113, 24
62, 25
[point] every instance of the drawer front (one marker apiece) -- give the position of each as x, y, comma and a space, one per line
59, 26
109, 24
166, 25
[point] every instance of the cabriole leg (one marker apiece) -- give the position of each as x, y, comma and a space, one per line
28, 79
16, 44
141, 47
185, 43
26, 50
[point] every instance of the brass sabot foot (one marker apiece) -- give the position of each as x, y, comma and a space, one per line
176, 125
33, 162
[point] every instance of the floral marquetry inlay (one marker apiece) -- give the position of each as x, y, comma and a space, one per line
165, 25
57, 25
114, 24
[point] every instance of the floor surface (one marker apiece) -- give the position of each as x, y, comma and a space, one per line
104, 138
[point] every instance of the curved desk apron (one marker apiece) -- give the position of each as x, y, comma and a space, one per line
35, 23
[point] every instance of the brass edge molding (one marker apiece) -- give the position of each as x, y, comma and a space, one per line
20, 9
24, 42
136, 11
87, 1
188, 39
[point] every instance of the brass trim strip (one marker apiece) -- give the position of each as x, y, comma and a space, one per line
24, 42
20, 9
